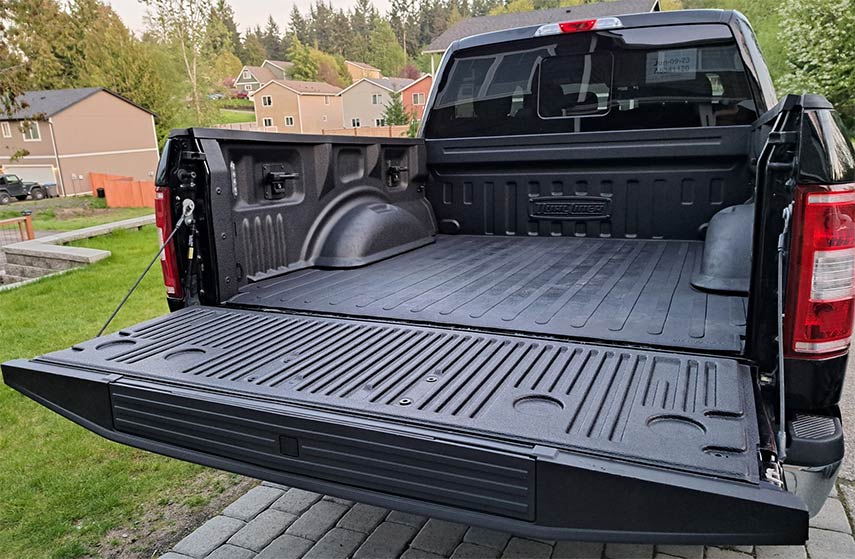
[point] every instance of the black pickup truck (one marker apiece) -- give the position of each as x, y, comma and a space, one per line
607, 294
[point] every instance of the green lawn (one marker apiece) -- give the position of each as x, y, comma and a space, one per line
227, 116
62, 487
73, 212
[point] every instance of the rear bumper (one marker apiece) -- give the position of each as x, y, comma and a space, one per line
812, 484
529, 490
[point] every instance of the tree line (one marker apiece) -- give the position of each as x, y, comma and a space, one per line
190, 47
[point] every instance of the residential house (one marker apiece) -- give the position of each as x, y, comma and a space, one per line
69, 133
295, 106
251, 78
486, 24
414, 95
364, 102
359, 70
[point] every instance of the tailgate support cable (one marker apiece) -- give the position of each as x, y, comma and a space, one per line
186, 216
782, 420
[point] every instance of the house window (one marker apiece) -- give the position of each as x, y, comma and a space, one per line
266, 101
247, 87
376, 98
326, 99
379, 122
267, 122
7, 130
418, 98
324, 118
31, 132
354, 122
247, 75
289, 121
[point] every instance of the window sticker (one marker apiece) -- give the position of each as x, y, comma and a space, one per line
672, 65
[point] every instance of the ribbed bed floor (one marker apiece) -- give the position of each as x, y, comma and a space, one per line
635, 291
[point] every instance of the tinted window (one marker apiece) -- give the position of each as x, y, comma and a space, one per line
620, 80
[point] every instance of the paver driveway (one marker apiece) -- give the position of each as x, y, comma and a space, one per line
276, 522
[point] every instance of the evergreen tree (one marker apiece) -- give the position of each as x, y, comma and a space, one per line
384, 51
271, 38
300, 27
395, 114
253, 50
305, 67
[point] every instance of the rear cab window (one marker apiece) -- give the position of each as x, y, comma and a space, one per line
683, 76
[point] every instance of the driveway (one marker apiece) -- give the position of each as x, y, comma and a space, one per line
276, 522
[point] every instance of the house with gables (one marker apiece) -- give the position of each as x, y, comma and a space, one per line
296, 106
364, 102
251, 78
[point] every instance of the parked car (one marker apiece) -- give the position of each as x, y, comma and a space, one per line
606, 295
240, 95
13, 187
216, 96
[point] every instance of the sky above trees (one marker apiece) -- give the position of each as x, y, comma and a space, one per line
248, 13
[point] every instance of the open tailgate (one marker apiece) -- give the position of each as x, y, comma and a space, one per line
540, 437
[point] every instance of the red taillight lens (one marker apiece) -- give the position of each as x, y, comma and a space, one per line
577, 26
168, 259
821, 284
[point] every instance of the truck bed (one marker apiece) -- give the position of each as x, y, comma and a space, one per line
623, 290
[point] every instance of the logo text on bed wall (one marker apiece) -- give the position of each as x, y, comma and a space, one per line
569, 207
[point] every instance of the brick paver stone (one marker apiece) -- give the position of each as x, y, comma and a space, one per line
781, 552
682, 551
578, 550
832, 517
173, 555
338, 543
209, 536
296, 501
527, 549
414, 520
388, 540
472, 551
414, 553
722, 553
286, 546
315, 522
262, 529
363, 518
439, 536
230, 551
828, 544
628, 551
252, 502
486, 537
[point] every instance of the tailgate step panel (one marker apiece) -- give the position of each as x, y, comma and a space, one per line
689, 413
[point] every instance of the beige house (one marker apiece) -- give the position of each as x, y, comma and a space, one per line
359, 70
295, 106
69, 133
251, 78
364, 102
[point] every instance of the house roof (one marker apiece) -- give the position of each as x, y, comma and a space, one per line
486, 24
281, 64
46, 103
414, 82
263, 75
303, 88
362, 65
389, 84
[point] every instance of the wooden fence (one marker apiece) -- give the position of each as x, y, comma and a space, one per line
16, 229
123, 192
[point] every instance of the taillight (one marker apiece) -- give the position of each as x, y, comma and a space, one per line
168, 259
821, 284
578, 26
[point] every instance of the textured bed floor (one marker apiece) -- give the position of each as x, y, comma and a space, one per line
601, 289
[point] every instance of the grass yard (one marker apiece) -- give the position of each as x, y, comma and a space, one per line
228, 116
73, 212
63, 488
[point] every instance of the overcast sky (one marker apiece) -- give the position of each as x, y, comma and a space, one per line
248, 13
